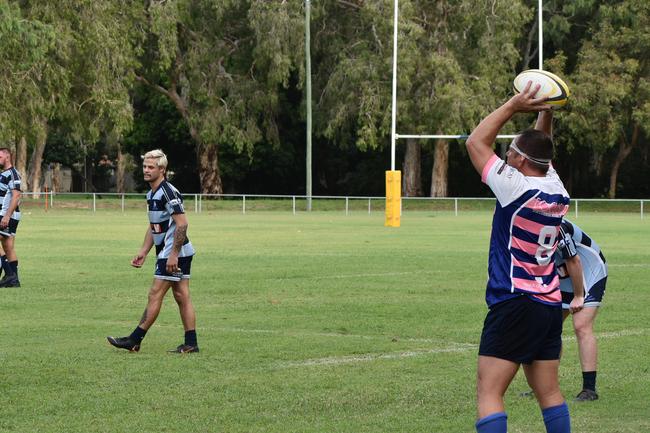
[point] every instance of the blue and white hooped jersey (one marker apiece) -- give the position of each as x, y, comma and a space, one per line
525, 230
9, 182
162, 203
573, 241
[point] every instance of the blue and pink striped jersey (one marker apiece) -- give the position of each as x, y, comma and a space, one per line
525, 230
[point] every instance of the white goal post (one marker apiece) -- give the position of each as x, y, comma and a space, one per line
393, 214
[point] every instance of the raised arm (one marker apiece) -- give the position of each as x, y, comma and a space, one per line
479, 143
545, 122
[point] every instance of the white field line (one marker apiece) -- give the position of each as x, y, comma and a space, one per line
454, 348
628, 265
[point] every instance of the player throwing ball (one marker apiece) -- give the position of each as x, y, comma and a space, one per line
168, 232
524, 323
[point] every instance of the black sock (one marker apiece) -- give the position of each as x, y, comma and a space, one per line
14, 267
6, 266
190, 338
589, 380
138, 334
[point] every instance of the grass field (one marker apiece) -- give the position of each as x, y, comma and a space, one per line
308, 323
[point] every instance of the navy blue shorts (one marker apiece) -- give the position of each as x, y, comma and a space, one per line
184, 267
593, 297
11, 228
522, 330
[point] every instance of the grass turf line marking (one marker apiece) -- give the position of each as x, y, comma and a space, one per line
455, 348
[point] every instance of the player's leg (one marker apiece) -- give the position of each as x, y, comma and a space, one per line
583, 324
492, 380
10, 261
157, 292
542, 376
181, 290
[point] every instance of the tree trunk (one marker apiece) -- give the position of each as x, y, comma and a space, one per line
440, 169
208, 154
121, 168
36, 163
56, 177
209, 174
21, 157
623, 152
412, 171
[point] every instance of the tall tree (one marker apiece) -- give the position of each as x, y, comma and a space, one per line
455, 62
221, 63
611, 104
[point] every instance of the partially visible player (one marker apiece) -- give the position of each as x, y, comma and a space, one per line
9, 217
168, 232
583, 276
524, 321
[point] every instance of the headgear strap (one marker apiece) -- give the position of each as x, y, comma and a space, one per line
541, 161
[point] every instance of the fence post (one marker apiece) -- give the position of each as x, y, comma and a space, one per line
346, 206
200, 203
576, 208
94, 203
243, 204
369, 205
293, 199
641, 209
122, 202
455, 207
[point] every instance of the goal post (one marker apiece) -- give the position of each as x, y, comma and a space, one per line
393, 177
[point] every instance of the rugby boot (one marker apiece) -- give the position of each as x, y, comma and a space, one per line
185, 348
125, 343
10, 281
587, 395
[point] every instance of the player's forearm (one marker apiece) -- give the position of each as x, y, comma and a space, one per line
180, 234
545, 122
574, 268
479, 143
147, 243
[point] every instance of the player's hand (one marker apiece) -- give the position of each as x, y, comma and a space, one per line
526, 101
4, 222
172, 264
576, 304
138, 261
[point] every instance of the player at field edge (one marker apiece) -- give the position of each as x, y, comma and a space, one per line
523, 325
582, 268
9, 218
168, 232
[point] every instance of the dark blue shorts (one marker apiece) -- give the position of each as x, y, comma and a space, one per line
184, 266
593, 297
11, 228
522, 330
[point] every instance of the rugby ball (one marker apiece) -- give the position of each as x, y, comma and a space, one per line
552, 86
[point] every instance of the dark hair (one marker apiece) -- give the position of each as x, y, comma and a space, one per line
536, 144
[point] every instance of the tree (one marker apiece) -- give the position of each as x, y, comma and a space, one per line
455, 63
611, 104
221, 63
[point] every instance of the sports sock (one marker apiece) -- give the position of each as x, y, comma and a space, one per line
138, 334
557, 419
6, 266
3, 259
190, 338
14, 267
494, 423
589, 380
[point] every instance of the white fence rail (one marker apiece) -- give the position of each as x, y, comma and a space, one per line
245, 203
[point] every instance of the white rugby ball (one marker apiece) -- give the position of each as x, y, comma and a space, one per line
552, 86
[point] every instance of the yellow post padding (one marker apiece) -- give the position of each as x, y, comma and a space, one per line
393, 198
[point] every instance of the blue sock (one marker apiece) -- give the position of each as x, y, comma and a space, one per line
138, 334
190, 338
495, 423
6, 266
557, 419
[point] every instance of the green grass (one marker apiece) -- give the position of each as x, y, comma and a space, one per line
307, 323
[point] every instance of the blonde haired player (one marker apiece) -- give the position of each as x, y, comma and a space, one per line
167, 231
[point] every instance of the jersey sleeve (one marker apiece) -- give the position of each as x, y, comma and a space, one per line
566, 245
175, 203
506, 183
14, 182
